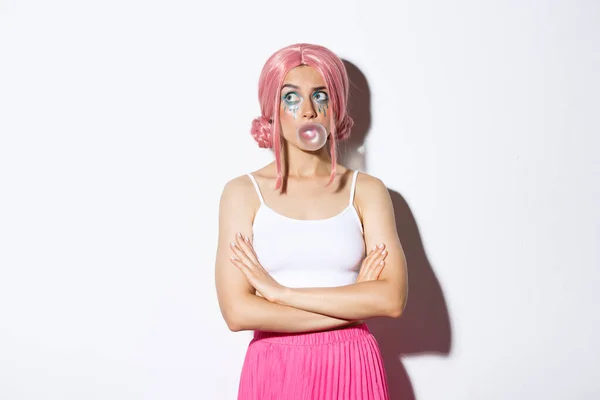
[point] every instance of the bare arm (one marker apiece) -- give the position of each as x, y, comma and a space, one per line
383, 297
240, 307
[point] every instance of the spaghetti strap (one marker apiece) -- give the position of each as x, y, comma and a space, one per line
262, 201
353, 187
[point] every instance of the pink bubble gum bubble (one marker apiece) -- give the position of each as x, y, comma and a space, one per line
312, 136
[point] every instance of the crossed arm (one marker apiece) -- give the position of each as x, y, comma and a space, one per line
310, 309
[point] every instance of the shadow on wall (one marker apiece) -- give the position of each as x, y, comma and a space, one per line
424, 326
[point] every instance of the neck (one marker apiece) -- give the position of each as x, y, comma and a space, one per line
305, 164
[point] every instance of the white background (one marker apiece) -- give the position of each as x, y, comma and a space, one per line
121, 121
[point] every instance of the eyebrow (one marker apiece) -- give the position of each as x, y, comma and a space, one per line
297, 87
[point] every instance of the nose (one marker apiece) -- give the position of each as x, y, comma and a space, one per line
308, 110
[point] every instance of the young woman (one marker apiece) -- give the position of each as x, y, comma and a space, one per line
293, 235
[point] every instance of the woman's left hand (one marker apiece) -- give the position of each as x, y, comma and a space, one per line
246, 260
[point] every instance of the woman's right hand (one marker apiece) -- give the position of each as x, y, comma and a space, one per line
372, 265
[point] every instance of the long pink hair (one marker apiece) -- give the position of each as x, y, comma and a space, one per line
266, 129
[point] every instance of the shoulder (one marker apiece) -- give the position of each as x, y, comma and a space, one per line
237, 191
237, 185
367, 185
370, 193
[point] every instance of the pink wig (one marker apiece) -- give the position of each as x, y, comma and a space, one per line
266, 130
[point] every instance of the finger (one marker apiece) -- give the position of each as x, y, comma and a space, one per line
360, 275
380, 255
373, 251
240, 265
370, 256
251, 249
244, 244
374, 255
366, 263
373, 273
371, 268
378, 249
247, 272
379, 269
241, 255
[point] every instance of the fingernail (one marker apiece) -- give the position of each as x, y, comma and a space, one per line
247, 240
380, 245
384, 252
374, 247
233, 258
233, 244
239, 234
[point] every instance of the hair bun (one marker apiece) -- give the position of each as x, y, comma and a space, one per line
344, 128
262, 132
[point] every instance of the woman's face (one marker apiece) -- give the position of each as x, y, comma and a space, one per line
304, 98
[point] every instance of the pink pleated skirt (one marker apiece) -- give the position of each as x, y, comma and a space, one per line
342, 364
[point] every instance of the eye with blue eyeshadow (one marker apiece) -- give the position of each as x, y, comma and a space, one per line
291, 98
320, 97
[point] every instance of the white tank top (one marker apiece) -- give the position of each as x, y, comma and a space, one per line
309, 253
